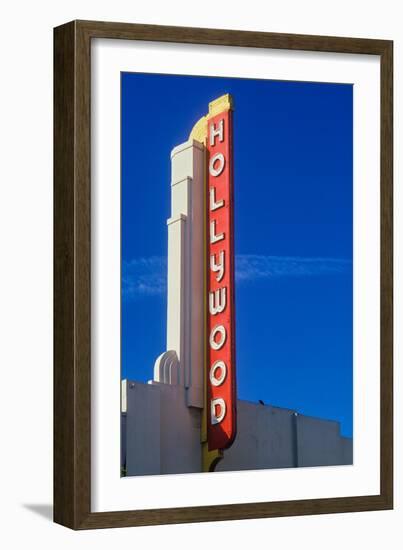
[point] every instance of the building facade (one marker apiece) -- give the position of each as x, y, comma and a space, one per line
164, 420
161, 435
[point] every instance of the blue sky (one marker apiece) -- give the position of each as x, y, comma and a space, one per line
293, 232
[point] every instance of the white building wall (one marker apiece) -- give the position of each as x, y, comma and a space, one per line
265, 439
143, 429
319, 443
162, 435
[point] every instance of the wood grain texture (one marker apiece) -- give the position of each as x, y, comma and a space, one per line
386, 282
72, 296
72, 269
64, 382
220, 37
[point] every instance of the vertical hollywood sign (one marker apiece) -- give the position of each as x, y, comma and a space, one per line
221, 394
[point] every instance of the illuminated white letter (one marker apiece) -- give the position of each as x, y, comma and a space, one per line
218, 365
220, 403
213, 237
219, 157
214, 205
218, 301
218, 267
217, 132
218, 329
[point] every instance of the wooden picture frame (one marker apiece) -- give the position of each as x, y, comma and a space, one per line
72, 271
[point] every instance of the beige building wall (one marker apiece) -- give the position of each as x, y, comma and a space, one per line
161, 435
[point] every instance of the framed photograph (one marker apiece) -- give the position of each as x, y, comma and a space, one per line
222, 275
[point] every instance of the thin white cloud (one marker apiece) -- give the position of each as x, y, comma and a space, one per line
142, 277
250, 267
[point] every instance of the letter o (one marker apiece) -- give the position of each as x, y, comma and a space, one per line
218, 365
218, 157
218, 329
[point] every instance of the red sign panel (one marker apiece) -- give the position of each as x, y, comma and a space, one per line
220, 371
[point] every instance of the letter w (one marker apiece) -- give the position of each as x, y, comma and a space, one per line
218, 301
